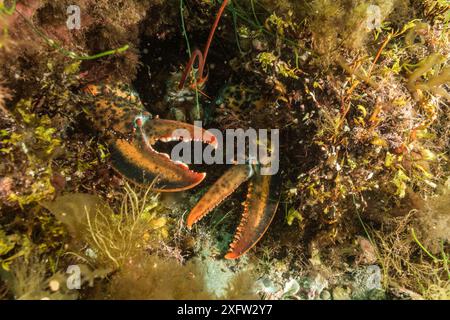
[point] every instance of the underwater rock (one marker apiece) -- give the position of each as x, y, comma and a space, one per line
217, 275
313, 286
266, 286
367, 283
367, 254
291, 288
341, 293
325, 295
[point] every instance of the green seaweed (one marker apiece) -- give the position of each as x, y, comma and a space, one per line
423, 67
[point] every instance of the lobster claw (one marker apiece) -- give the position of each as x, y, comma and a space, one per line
259, 207
140, 163
135, 132
259, 210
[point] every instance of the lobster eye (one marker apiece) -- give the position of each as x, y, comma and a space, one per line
138, 122
141, 119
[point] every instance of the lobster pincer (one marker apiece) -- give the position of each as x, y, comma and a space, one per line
131, 132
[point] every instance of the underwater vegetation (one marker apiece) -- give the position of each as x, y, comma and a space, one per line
358, 89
